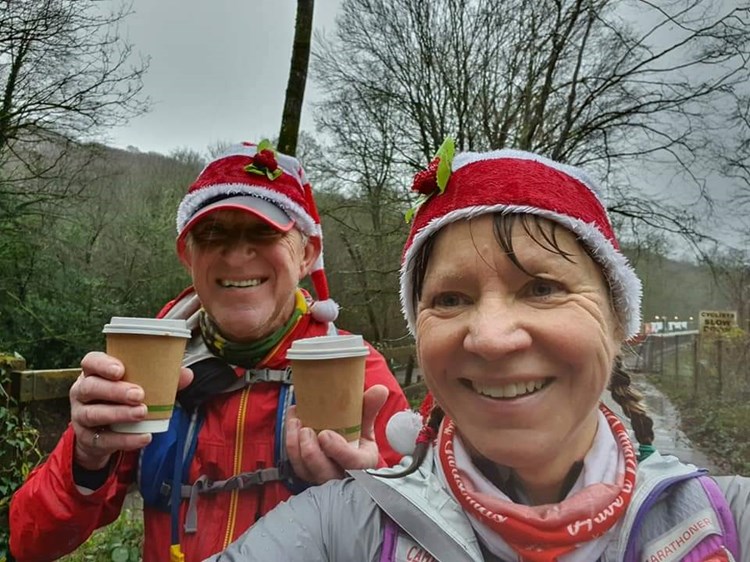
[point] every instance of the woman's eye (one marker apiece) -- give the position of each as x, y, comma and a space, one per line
541, 288
448, 300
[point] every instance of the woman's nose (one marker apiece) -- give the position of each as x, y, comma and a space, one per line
497, 329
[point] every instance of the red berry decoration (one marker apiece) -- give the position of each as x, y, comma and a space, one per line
425, 181
265, 159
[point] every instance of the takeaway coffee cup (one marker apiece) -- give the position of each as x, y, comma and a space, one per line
151, 350
328, 373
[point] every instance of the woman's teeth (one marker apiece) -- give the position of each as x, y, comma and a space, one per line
512, 390
245, 283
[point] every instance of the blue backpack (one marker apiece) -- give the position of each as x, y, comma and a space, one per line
159, 468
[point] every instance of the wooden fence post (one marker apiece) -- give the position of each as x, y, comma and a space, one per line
696, 365
719, 348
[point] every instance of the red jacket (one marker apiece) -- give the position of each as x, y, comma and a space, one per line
50, 517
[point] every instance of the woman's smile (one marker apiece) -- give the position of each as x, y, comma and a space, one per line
508, 391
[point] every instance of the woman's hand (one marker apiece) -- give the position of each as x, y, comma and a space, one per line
100, 397
323, 457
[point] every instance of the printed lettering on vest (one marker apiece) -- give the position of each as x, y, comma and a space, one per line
409, 551
679, 540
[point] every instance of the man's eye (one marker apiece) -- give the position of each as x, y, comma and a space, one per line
209, 236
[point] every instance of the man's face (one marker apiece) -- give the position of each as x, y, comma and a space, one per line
245, 272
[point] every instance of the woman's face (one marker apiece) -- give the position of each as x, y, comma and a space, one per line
518, 360
245, 272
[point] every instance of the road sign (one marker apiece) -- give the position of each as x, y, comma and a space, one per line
717, 321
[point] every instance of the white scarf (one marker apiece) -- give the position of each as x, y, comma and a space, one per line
602, 463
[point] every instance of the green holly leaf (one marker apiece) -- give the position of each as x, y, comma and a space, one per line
415, 207
445, 153
265, 144
253, 170
273, 175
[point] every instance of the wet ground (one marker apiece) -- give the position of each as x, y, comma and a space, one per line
668, 437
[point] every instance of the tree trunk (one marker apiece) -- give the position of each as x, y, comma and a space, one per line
295, 89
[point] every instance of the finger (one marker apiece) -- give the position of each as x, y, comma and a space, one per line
293, 427
186, 377
102, 365
344, 454
95, 446
97, 415
372, 401
316, 464
94, 388
102, 440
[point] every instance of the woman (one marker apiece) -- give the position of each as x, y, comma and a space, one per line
519, 298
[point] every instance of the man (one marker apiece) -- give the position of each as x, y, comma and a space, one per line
248, 232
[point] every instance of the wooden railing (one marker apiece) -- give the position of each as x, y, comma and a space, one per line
35, 385
28, 386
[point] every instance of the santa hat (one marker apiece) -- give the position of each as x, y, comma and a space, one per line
272, 186
512, 181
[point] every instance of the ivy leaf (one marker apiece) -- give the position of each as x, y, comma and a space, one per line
120, 554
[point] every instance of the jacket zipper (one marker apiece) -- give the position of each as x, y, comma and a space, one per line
237, 468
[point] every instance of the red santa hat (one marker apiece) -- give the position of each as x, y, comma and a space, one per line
512, 181
269, 185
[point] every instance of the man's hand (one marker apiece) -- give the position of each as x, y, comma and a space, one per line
100, 397
323, 457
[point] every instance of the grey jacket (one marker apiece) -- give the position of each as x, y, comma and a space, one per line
340, 521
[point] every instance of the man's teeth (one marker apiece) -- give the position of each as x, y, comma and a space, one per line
245, 283
509, 390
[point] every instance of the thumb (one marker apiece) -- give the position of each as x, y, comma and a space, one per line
186, 377
372, 401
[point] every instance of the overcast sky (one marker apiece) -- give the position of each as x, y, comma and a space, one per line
218, 70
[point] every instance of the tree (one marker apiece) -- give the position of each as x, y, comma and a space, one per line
66, 75
734, 157
591, 82
295, 90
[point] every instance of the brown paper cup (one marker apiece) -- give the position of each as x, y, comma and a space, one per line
151, 351
328, 374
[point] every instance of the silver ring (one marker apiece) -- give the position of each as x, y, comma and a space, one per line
97, 435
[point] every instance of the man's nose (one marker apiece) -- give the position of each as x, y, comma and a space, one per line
240, 245
497, 328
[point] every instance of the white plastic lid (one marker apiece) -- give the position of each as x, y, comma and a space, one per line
328, 347
147, 327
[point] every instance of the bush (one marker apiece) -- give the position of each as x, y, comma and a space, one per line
122, 541
19, 451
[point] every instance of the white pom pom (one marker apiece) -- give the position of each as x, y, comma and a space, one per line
402, 431
325, 311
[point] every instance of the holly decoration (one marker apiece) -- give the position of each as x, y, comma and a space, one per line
435, 178
264, 161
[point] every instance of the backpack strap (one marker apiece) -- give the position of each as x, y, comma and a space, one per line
251, 376
390, 540
724, 513
245, 480
423, 530
690, 523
